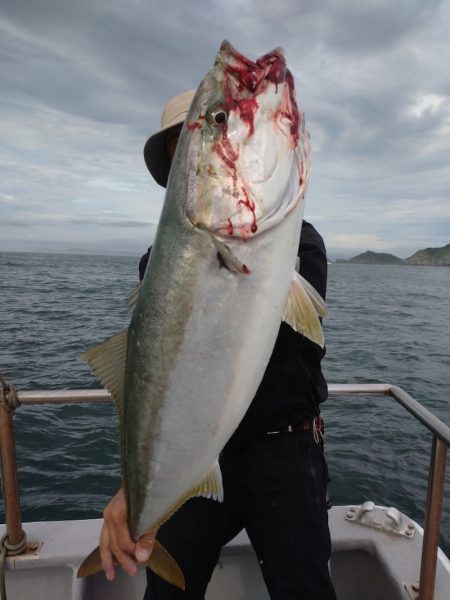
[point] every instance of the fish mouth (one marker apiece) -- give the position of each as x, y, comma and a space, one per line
252, 75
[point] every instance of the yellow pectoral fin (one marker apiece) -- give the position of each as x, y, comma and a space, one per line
303, 308
160, 562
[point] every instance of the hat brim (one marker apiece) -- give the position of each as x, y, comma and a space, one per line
156, 156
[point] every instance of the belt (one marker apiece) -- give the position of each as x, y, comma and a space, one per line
315, 425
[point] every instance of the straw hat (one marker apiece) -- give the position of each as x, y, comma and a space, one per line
155, 151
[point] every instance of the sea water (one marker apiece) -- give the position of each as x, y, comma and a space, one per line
387, 324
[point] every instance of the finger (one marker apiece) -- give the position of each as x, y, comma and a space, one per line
125, 561
115, 512
105, 553
122, 547
118, 539
144, 546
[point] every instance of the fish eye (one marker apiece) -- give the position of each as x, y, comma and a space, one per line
220, 117
217, 116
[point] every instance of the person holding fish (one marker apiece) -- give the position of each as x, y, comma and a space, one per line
219, 405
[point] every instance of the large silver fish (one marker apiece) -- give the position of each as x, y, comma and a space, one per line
220, 279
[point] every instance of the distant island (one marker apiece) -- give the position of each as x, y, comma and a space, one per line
436, 257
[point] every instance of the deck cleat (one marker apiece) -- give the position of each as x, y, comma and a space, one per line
387, 519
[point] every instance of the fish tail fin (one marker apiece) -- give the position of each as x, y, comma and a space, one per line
91, 564
164, 565
160, 562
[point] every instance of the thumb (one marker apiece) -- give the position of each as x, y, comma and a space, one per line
144, 546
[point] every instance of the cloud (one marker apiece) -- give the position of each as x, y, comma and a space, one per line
428, 103
83, 85
356, 240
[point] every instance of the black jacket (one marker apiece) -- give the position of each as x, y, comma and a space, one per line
293, 385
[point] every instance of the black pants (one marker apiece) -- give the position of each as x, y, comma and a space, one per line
276, 490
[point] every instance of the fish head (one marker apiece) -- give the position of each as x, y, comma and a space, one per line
247, 150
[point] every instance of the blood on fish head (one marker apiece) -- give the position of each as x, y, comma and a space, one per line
248, 151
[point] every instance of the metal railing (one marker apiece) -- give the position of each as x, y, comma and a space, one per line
10, 399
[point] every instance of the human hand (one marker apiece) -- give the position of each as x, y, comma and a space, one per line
115, 540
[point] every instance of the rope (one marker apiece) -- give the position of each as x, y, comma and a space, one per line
7, 549
8, 395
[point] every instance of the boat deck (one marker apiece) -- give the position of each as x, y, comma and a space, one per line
383, 563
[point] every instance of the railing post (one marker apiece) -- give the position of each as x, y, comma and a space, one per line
10, 485
432, 524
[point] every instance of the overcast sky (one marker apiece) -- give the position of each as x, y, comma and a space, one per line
82, 85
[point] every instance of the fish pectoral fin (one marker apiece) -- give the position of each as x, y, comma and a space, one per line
303, 308
91, 564
164, 565
211, 486
227, 258
160, 562
108, 361
316, 299
133, 297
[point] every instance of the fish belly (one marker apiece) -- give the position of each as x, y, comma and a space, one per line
209, 334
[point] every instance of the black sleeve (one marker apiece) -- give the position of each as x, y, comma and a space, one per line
313, 258
143, 263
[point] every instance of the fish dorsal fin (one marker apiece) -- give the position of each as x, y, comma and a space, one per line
134, 297
303, 308
108, 361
